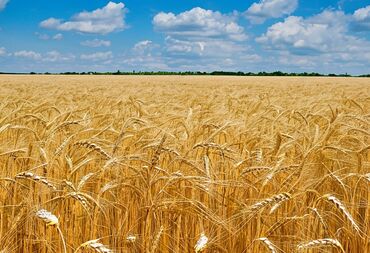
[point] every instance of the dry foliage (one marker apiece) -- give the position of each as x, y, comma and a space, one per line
184, 164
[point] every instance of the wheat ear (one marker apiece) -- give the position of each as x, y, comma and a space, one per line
36, 178
51, 220
268, 244
95, 245
344, 210
326, 242
276, 200
201, 243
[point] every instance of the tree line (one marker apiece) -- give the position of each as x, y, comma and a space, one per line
197, 73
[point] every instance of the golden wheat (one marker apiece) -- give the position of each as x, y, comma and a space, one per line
184, 164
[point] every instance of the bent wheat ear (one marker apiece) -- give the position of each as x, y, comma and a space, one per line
81, 199
279, 200
33, 177
276, 200
249, 170
367, 176
321, 219
96, 245
268, 244
49, 218
201, 243
344, 210
326, 242
131, 238
95, 147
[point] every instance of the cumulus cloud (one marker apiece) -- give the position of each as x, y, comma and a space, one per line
98, 56
322, 41
3, 4
322, 33
96, 43
100, 21
361, 18
28, 54
199, 22
200, 35
259, 12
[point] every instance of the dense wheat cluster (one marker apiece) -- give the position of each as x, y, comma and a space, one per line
184, 164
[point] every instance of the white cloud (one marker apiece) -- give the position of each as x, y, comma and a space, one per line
43, 36
96, 43
145, 62
183, 46
182, 55
28, 54
200, 35
145, 55
325, 32
209, 48
257, 13
51, 56
55, 56
362, 18
322, 42
100, 21
58, 36
362, 14
199, 22
145, 47
3, 4
98, 56
141, 45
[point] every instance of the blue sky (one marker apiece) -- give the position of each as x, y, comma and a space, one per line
238, 35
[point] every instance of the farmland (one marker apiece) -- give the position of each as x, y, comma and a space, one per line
184, 164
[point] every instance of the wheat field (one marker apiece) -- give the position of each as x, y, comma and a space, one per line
184, 164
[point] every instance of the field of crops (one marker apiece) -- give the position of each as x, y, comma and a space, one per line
184, 164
